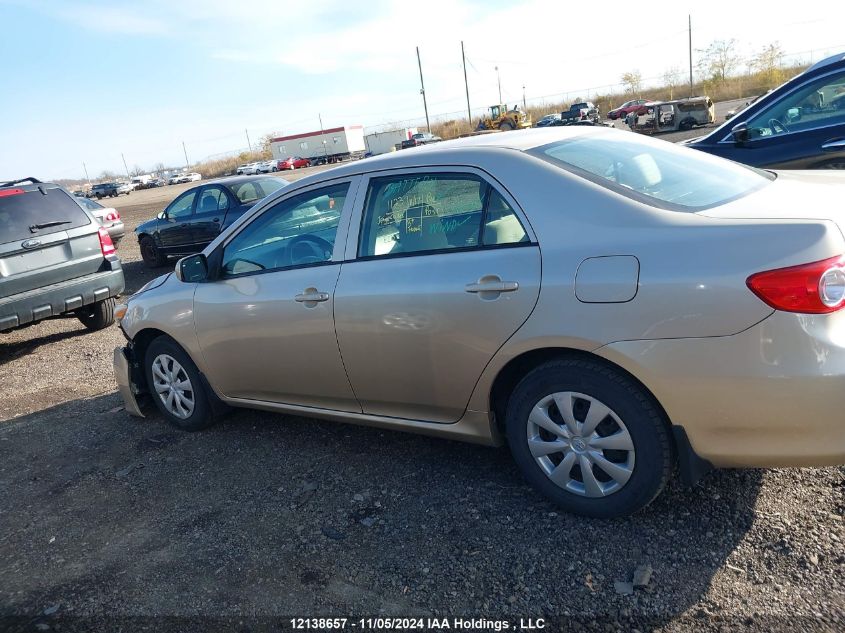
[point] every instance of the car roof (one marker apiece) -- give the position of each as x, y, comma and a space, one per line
827, 61
233, 180
462, 150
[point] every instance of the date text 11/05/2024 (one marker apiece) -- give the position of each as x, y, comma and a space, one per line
416, 624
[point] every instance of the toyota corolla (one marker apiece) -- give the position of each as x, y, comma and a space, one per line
608, 305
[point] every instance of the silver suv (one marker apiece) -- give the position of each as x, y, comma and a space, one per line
55, 258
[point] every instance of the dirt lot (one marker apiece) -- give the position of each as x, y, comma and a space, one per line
123, 524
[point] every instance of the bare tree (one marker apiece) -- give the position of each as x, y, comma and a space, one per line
671, 79
718, 60
107, 175
136, 170
632, 81
768, 62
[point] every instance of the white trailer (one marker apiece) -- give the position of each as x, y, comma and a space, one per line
330, 145
383, 142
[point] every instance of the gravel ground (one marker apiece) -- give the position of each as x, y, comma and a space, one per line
103, 517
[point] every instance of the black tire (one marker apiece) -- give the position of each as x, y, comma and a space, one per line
97, 316
648, 430
152, 257
202, 416
505, 127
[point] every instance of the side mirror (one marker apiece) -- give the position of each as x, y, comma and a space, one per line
740, 132
162, 215
192, 269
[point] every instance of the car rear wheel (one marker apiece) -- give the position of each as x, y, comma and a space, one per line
176, 387
589, 438
152, 257
97, 316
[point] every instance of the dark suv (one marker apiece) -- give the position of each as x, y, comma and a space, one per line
55, 258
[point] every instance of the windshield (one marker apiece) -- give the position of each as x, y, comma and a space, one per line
653, 171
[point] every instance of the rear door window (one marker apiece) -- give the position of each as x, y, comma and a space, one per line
27, 214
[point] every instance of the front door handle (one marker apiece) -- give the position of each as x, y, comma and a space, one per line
312, 296
493, 286
834, 144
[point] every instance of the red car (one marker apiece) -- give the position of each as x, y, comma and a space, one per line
294, 162
629, 106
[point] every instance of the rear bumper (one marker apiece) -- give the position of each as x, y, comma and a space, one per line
771, 396
61, 298
124, 365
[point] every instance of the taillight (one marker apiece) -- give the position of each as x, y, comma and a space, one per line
111, 217
106, 245
815, 288
10, 192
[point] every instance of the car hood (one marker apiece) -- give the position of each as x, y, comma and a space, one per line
149, 225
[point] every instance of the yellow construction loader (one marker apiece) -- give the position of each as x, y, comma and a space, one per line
501, 118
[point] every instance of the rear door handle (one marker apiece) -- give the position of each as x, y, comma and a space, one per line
834, 144
312, 296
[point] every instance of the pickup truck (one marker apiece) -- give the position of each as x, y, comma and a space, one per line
423, 138
583, 111
110, 189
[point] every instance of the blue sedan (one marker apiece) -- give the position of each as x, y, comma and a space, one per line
197, 216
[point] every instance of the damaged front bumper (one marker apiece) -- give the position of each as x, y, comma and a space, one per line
126, 372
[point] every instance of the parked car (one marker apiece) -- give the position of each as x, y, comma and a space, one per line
198, 215
422, 138
108, 217
622, 111
549, 119
799, 125
293, 162
268, 166
440, 292
250, 169
110, 189
55, 258
583, 111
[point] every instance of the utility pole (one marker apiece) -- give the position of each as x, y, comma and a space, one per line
184, 149
689, 17
323, 134
499, 78
247, 139
422, 91
466, 83
124, 164
524, 105
86, 172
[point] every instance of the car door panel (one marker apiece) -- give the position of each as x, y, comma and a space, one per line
266, 325
175, 234
260, 341
415, 338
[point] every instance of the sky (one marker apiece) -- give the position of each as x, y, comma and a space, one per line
100, 81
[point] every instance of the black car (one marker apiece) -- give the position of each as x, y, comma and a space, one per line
800, 125
196, 217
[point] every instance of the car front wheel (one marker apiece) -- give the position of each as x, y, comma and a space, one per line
176, 387
152, 257
589, 438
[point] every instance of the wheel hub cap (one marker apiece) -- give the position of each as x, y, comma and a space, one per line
173, 386
580, 444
